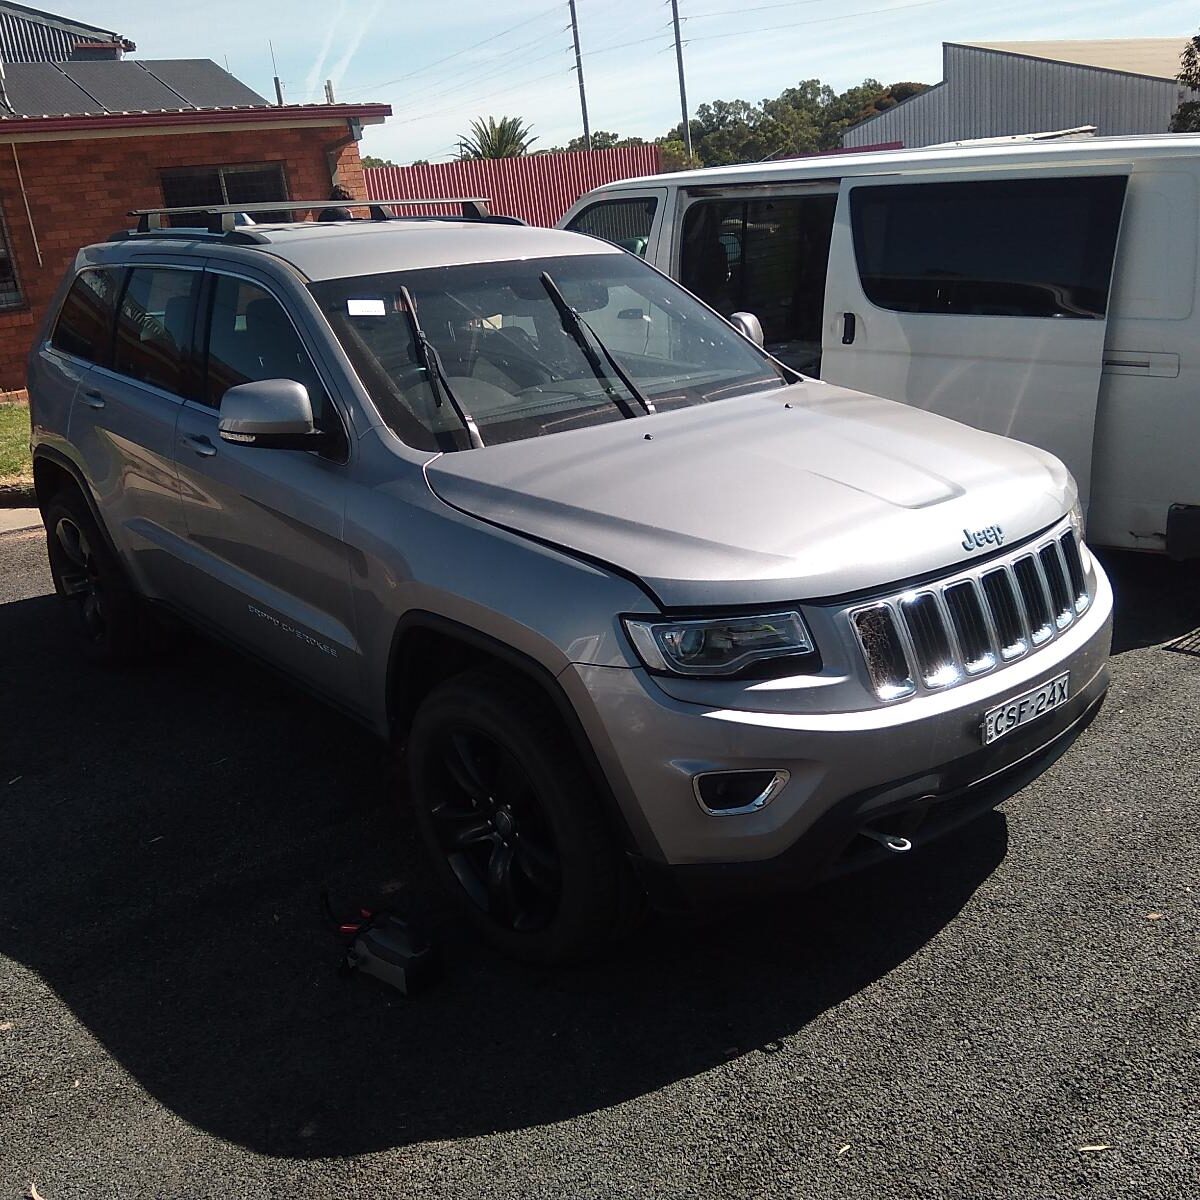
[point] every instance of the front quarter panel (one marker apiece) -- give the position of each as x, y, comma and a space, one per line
414, 553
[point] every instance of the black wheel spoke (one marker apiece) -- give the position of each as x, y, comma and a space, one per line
463, 764
460, 830
74, 583
502, 899
73, 544
537, 864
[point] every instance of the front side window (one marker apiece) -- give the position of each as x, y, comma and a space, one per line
10, 287
512, 362
625, 222
995, 248
154, 327
765, 255
251, 338
84, 326
241, 183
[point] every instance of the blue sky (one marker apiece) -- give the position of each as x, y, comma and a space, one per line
393, 50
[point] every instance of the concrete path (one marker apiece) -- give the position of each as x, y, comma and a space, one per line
12, 519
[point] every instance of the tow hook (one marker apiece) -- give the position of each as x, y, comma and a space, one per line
898, 845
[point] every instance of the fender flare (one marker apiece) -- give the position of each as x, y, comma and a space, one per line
62, 461
547, 685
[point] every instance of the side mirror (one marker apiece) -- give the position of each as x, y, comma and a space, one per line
748, 325
274, 414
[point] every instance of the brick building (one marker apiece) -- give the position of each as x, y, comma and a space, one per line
86, 135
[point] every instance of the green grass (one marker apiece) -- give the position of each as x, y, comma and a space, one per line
15, 466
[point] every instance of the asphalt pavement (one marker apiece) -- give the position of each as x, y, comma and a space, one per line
1009, 1014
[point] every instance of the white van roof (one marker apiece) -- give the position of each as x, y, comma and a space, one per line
883, 162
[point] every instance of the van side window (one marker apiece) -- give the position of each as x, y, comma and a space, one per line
768, 256
1002, 248
84, 326
250, 338
625, 222
154, 327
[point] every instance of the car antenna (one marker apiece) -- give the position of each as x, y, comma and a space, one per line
431, 360
574, 324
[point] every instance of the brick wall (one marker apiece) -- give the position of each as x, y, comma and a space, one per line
79, 192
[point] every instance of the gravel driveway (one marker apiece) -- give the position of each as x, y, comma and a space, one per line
963, 1024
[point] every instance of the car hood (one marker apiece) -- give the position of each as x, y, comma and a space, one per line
805, 492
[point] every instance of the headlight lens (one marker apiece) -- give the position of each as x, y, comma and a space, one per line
719, 646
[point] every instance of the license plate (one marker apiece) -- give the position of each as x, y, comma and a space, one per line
1006, 717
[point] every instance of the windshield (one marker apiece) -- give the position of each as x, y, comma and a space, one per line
508, 359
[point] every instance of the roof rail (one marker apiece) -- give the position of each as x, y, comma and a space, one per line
222, 218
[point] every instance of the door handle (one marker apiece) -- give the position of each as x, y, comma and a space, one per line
200, 445
94, 399
848, 330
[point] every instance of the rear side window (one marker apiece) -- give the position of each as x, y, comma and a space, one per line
625, 222
250, 338
154, 327
84, 326
1002, 248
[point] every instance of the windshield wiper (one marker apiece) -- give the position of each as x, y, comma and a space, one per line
429, 358
574, 324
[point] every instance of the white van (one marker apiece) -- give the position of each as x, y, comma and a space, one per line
1042, 290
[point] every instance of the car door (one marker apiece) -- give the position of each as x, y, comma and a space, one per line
133, 328
979, 295
264, 526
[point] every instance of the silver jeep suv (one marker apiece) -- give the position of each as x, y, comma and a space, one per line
647, 612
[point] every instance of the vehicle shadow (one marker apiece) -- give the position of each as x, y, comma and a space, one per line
164, 845
1156, 600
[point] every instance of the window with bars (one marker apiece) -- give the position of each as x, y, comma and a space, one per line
10, 286
240, 183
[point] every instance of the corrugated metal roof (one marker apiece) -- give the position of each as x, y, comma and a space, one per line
76, 88
31, 35
1155, 57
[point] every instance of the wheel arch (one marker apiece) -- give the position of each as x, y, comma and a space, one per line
427, 649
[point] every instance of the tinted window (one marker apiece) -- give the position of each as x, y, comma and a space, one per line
154, 327
1008, 248
252, 338
768, 256
84, 326
10, 288
626, 222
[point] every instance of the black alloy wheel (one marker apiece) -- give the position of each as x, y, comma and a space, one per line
511, 822
493, 832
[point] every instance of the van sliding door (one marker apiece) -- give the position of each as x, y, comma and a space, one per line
982, 296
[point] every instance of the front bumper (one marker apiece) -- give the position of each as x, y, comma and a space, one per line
846, 769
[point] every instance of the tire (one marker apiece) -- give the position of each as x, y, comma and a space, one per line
108, 618
511, 823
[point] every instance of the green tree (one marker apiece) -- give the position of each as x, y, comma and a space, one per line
370, 160
601, 140
673, 155
1187, 115
508, 137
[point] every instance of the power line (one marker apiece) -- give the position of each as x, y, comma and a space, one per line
737, 12
480, 99
870, 12
457, 53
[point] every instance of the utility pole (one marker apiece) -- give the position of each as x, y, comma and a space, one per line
329, 92
687, 125
275, 68
587, 132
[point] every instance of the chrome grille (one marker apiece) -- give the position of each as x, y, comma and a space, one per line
968, 624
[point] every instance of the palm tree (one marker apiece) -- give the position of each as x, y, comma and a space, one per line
508, 137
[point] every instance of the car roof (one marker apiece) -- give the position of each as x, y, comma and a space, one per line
982, 153
344, 249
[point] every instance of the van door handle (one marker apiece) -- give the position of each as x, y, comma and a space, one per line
94, 400
200, 445
848, 324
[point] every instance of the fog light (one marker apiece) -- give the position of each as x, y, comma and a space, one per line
728, 793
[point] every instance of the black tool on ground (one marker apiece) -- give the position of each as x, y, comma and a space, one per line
389, 947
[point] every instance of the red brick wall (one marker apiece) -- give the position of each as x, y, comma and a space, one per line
79, 192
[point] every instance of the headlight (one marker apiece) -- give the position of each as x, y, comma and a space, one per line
720, 645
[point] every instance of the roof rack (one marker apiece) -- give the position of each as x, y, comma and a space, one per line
222, 218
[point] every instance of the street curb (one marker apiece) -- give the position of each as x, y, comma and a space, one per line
18, 495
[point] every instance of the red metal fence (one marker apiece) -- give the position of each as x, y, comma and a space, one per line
538, 188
